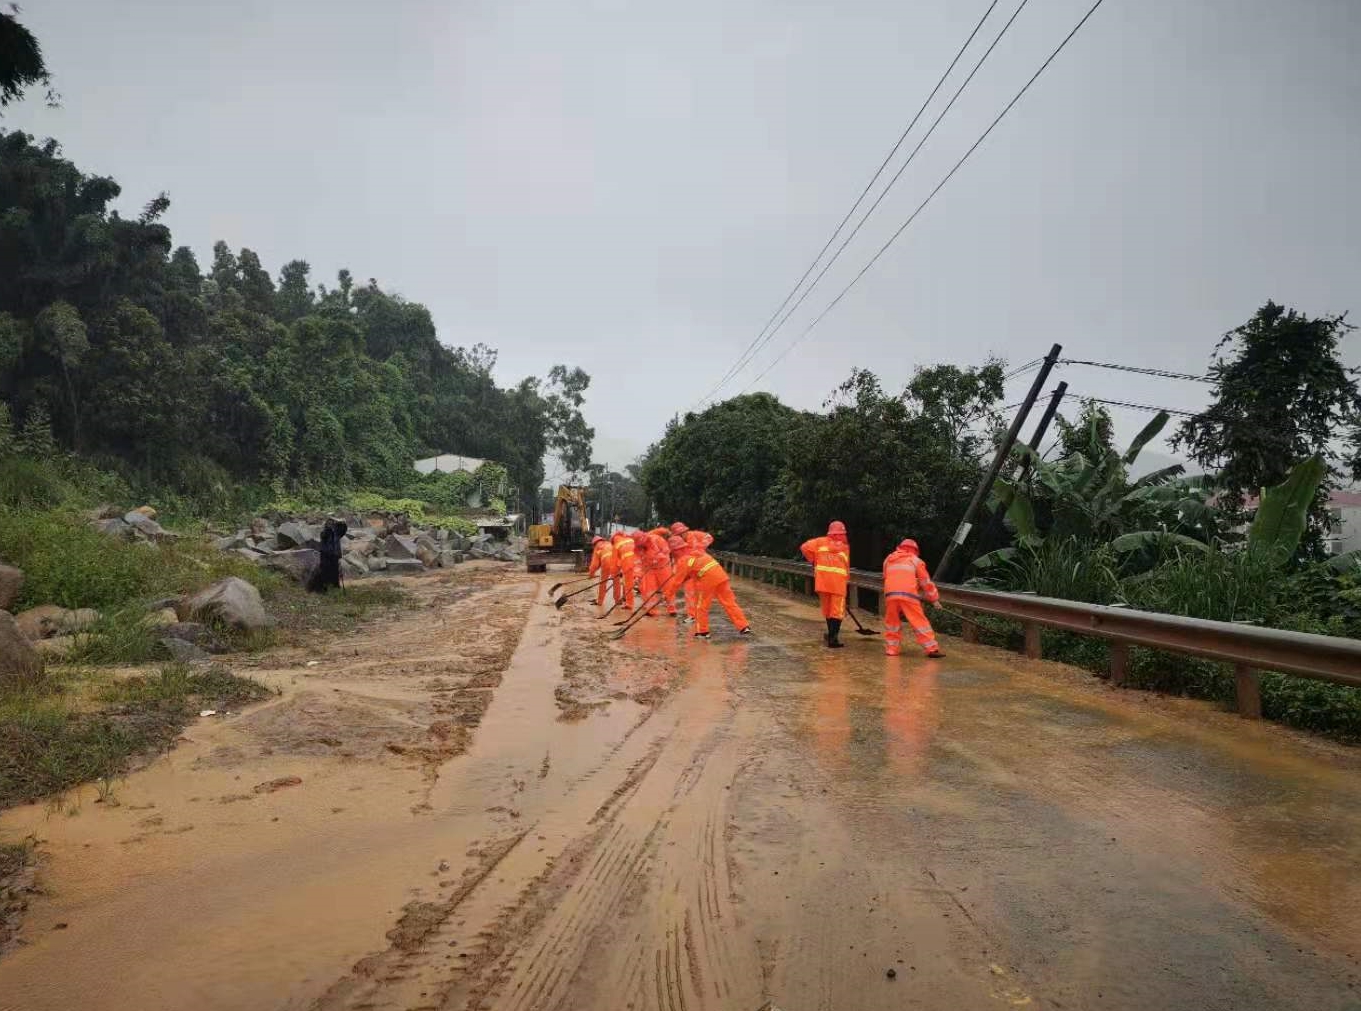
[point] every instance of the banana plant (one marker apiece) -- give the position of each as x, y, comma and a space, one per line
1088, 496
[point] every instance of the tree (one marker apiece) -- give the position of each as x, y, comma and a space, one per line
64, 338
21, 61
1093, 428
1282, 394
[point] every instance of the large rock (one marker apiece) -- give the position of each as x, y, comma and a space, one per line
145, 526
145, 510
361, 546
428, 555
399, 546
19, 661
192, 631
115, 527
377, 563
232, 601
183, 652
298, 535
232, 541
261, 527
48, 620
298, 564
11, 582
448, 559
353, 565
404, 566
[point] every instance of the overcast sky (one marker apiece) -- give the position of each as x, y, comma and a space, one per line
633, 187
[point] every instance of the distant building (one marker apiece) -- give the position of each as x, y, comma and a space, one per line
452, 463
448, 463
1345, 508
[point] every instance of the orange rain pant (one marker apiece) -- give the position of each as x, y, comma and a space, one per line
834, 605
606, 574
623, 588
896, 611
654, 580
722, 592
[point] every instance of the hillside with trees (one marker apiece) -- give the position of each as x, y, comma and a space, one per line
122, 348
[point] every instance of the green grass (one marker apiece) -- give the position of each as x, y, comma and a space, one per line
66, 561
58, 734
120, 637
299, 612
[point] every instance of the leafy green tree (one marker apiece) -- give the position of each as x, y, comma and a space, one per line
1092, 434
21, 61
35, 438
1282, 394
63, 336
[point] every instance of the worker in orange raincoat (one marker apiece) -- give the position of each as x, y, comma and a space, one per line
625, 560
655, 554
602, 561
692, 563
700, 541
830, 557
907, 585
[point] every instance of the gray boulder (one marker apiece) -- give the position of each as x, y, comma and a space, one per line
115, 527
353, 565
232, 601
404, 566
298, 535
361, 546
184, 652
298, 564
261, 528
19, 661
448, 559
377, 563
193, 632
428, 555
144, 526
399, 546
481, 539
11, 582
425, 540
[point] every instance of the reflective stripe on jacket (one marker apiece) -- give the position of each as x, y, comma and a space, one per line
602, 559
905, 575
831, 564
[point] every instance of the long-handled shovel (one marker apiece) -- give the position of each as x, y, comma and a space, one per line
859, 627
566, 596
569, 582
653, 599
636, 616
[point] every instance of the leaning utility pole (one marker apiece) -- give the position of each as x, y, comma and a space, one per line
1003, 454
994, 526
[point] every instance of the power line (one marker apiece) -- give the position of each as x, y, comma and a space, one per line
1163, 373
753, 347
1022, 369
762, 342
1138, 407
930, 196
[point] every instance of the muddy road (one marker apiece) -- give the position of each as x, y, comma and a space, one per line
481, 803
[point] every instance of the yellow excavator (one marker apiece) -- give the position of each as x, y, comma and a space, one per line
567, 538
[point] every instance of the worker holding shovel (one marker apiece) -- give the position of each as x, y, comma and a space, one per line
602, 561
699, 541
655, 555
830, 557
712, 582
907, 584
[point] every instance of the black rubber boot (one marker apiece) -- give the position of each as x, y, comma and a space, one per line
834, 633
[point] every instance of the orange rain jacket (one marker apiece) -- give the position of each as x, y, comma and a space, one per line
906, 575
831, 560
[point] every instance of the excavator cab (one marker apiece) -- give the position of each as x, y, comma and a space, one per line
566, 538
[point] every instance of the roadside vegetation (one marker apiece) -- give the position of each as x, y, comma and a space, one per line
1243, 542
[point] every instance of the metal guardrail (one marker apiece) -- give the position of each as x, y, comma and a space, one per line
1248, 647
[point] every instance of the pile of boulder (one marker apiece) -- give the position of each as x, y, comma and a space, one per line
138, 525
184, 625
387, 543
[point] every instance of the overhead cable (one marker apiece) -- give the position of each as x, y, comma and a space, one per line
930, 196
757, 343
891, 183
1163, 373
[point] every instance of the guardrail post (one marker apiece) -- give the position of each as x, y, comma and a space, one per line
1033, 651
1248, 690
853, 597
808, 585
968, 630
1119, 663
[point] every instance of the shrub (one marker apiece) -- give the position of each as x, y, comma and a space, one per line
28, 484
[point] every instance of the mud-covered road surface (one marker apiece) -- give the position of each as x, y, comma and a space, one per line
482, 803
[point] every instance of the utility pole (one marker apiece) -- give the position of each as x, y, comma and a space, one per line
994, 526
1003, 454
